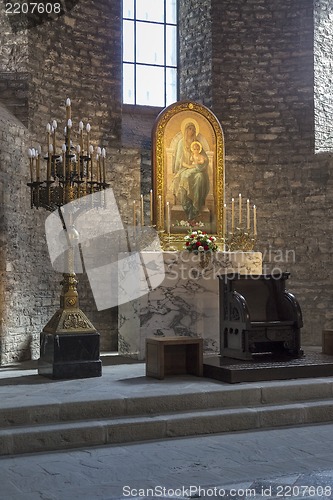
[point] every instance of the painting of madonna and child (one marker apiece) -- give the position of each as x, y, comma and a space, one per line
188, 168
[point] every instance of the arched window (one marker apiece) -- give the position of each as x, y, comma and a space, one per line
150, 52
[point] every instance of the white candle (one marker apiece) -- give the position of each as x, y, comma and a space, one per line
240, 210
30, 163
103, 163
160, 212
248, 214
142, 211
254, 220
134, 213
88, 135
151, 207
232, 215
63, 147
68, 109
168, 217
224, 220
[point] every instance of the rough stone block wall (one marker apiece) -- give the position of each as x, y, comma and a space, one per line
14, 76
195, 50
28, 287
323, 60
78, 55
263, 94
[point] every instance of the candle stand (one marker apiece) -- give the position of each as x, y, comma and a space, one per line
69, 343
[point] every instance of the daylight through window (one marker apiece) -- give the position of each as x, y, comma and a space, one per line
150, 52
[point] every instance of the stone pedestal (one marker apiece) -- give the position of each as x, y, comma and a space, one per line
72, 355
184, 304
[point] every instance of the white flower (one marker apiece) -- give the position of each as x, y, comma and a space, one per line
194, 232
201, 248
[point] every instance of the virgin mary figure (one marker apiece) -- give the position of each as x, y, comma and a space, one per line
191, 180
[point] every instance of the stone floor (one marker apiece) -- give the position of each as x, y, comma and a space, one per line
289, 462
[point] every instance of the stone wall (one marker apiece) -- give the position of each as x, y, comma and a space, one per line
14, 76
28, 285
263, 94
195, 50
78, 55
323, 60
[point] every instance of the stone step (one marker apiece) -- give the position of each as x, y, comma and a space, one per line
222, 408
96, 432
221, 397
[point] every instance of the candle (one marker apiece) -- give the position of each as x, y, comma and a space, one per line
168, 216
98, 158
224, 219
81, 136
54, 128
151, 207
232, 215
78, 149
134, 213
160, 211
63, 147
142, 211
248, 214
240, 210
48, 130
91, 150
103, 162
88, 128
254, 220
68, 109
30, 164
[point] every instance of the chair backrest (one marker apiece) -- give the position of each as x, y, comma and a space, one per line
262, 296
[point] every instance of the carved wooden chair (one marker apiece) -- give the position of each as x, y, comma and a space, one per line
257, 316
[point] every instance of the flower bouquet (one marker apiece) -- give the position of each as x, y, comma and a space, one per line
199, 242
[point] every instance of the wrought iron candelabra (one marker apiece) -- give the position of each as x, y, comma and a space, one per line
69, 342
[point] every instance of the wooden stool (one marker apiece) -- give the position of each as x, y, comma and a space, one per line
173, 356
327, 342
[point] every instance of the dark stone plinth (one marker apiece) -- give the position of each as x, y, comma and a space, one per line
68, 356
310, 365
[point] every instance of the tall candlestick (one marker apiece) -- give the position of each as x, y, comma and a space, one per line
134, 213
248, 214
254, 220
168, 216
151, 207
240, 210
232, 215
142, 214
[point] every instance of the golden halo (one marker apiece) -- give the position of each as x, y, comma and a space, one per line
198, 143
186, 122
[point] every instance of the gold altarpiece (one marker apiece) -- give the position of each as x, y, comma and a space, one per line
188, 172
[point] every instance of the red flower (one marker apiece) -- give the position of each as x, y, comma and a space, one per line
206, 247
187, 243
198, 243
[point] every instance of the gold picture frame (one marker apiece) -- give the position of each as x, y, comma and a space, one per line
187, 171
